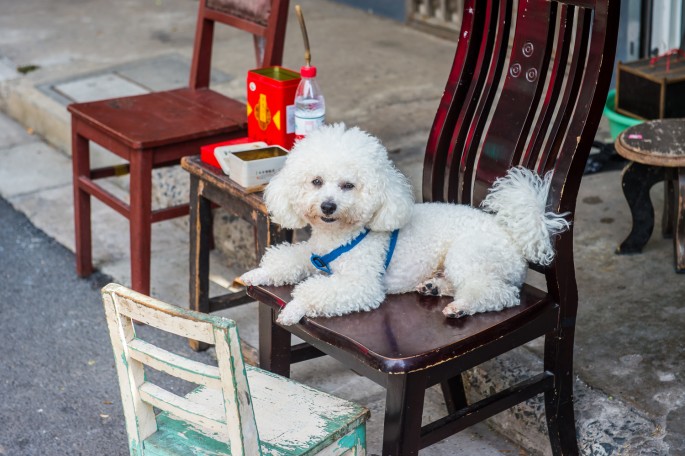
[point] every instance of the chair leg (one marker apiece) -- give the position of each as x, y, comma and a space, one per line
403, 412
561, 423
274, 343
453, 391
80, 160
140, 220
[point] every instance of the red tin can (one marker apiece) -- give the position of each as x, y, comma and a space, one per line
270, 105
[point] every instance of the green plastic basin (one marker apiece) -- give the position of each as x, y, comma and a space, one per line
617, 122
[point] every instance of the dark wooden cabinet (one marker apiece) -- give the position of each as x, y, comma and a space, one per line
651, 89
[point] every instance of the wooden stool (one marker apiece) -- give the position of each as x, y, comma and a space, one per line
208, 184
657, 152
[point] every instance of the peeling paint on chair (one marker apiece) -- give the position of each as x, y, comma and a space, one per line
237, 409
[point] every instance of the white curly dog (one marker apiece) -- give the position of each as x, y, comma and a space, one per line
342, 183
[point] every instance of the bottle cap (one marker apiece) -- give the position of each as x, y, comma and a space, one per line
308, 71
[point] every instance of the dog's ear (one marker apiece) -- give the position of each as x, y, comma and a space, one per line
279, 197
396, 201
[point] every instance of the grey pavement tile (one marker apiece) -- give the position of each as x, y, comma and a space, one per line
99, 87
28, 168
153, 74
12, 133
7, 69
163, 73
51, 210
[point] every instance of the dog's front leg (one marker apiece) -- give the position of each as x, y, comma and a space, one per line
328, 296
281, 264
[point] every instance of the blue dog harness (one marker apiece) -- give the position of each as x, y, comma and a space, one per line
321, 262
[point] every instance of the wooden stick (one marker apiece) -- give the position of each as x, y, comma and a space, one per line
303, 27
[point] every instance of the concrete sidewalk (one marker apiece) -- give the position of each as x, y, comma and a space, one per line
630, 357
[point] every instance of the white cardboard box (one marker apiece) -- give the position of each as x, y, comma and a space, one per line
253, 168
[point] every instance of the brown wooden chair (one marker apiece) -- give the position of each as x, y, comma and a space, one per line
527, 87
157, 129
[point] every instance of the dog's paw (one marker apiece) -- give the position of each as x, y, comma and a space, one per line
457, 309
257, 276
435, 286
428, 288
291, 314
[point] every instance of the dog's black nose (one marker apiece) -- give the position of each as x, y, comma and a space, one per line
328, 207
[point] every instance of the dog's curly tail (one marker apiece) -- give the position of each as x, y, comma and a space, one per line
519, 202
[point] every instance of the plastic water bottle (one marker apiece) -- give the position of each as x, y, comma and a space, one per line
310, 108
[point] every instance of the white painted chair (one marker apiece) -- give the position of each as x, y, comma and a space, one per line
237, 409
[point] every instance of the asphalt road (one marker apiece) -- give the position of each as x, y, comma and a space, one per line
59, 389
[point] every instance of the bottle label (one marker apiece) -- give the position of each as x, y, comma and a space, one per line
290, 119
305, 125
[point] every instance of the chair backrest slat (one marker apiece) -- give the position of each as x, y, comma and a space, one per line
457, 102
198, 414
141, 310
541, 130
233, 421
463, 154
175, 365
521, 87
266, 20
140, 417
566, 104
236, 389
592, 93
526, 88
483, 29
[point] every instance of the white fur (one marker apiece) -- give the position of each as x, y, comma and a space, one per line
479, 257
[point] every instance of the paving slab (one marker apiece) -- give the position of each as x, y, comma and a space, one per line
156, 73
7, 69
12, 133
35, 165
164, 72
99, 88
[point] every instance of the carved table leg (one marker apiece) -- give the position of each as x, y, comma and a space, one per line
637, 180
200, 239
679, 222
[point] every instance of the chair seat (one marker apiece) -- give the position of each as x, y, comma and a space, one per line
162, 118
391, 338
292, 419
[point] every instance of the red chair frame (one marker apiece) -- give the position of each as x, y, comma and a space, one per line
157, 129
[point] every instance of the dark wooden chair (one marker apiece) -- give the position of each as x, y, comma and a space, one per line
527, 87
157, 129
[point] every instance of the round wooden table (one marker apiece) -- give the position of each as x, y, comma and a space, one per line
656, 150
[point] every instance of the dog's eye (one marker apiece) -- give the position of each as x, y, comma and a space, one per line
347, 186
317, 182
